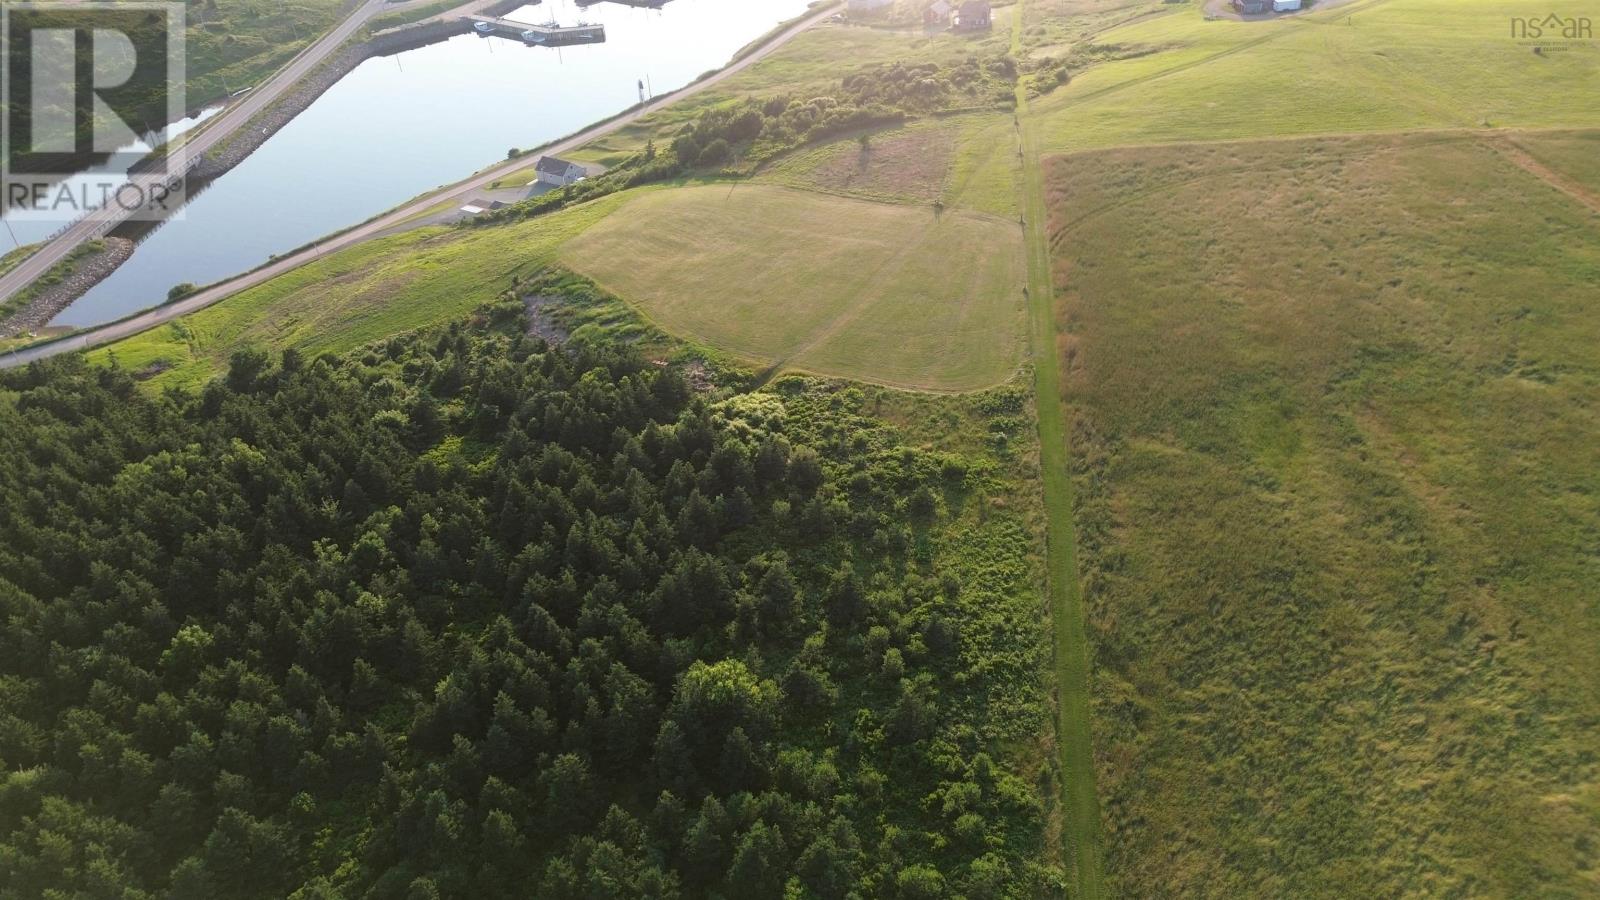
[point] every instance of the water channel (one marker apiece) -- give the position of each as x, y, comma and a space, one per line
401, 125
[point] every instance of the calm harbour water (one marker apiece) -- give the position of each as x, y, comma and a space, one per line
399, 126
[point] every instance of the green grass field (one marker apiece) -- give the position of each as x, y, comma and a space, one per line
13, 258
1050, 27
351, 298
1575, 154
968, 161
987, 172
1081, 846
234, 44
808, 66
1378, 65
903, 165
1331, 402
1335, 404
874, 291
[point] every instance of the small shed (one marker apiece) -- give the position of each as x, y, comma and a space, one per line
973, 15
558, 172
1252, 7
1285, 5
938, 13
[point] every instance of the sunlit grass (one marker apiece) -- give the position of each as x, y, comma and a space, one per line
1382, 65
1336, 403
880, 292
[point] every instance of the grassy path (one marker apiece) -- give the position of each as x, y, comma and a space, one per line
1508, 148
1071, 650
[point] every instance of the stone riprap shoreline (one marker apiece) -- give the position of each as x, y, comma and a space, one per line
86, 273
219, 161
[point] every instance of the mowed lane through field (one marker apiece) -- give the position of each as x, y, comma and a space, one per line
887, 293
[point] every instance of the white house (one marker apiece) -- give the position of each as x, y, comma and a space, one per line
558, 172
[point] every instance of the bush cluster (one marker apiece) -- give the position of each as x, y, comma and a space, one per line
753, 130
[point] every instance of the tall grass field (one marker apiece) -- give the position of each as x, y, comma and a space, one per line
1334, 408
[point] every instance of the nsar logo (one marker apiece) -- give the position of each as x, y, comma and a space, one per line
1553, 27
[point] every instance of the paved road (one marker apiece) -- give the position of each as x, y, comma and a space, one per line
394, 220
215, 131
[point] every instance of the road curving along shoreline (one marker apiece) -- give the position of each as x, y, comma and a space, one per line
243, 138
397, 219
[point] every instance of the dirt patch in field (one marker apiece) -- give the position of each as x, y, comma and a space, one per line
906, 165
541, 323
152, 370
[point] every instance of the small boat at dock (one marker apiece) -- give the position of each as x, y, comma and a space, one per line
553, 35
550, 34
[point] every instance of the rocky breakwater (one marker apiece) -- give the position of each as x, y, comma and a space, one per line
219, 160
74, 278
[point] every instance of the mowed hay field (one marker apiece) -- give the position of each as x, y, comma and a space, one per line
1335, 412
886, 293
1372, 65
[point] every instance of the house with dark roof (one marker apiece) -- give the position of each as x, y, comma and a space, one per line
973, 15
557, 172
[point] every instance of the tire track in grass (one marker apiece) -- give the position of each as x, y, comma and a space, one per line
1517, 155
1070, 663
1069, 100
871, 284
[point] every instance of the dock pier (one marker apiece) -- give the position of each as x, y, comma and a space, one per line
550, 35
640, 4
